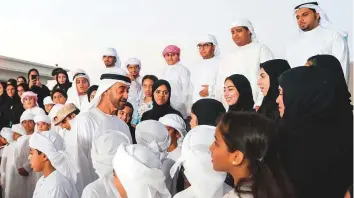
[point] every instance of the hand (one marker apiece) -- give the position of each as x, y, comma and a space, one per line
32, 83
23, 172
204, 92
256, 108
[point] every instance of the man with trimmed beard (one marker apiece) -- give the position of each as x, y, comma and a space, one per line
111, 96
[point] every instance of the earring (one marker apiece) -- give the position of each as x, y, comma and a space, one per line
233, 163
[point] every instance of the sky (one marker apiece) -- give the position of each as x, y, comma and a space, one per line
73, 34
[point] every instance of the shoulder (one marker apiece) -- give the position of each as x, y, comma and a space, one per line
92, 190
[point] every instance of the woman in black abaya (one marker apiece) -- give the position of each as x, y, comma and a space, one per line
161, 102
268, 83
310, 141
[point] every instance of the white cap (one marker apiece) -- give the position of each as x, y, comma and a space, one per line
133, 61
42, 118
110, 52
18, 128
47, 100
26, 115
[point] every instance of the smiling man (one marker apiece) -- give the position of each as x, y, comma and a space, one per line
317, 36
111, 96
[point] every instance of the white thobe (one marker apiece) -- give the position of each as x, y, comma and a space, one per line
244, 60
10, 179
135, 94
55, 185
101, 188
28, 183
81, 102
179, 78
175, 154
204, 73
78, 141
188, 193
319, 41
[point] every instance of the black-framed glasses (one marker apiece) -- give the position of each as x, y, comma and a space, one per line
204, 45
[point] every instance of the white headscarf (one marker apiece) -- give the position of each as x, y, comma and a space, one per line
209, 38
42, 118
175, 121
196, 160
112, 52
26, 115
104, 147
106, 83
153, 135
324, 22
73, 94
54, 111
140, 172
18, 128
133, 61
47, 100
7, 134
52, 145
248, 24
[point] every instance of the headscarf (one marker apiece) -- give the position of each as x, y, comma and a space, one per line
42, 118
324, 22
7, 134
16, 98
67, 84
18, 128
27, 115
248, 24
245, 101
112, 52
133, 61
196, 160
90, 90
73, 94
175, 121
52, 145
140, 172
332, 64
29, 94
209, 38
273, 68
153, 135
208, 111
3, 97
159, 111
307, 93
104, 147
107, 80
171, 49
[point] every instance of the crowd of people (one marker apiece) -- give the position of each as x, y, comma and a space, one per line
241, 125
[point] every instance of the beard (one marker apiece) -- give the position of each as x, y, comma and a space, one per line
121, 104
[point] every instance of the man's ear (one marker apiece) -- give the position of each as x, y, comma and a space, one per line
44, 157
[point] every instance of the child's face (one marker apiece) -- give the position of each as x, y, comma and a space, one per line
36, 159
42, 126
15, 135
48, 107
3, 140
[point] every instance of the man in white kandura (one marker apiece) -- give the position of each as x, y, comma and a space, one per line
317, 36
135, 91
245, 60
204, 72
111, 96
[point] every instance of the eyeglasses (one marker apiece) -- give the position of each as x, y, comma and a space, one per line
203, 46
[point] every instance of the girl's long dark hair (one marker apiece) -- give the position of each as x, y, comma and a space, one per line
255, 136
